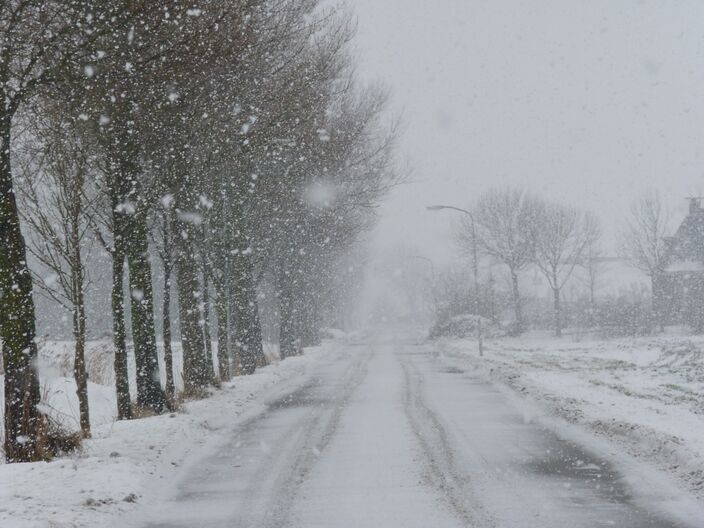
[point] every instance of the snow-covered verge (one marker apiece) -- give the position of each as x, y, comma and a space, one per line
129, 462
645, 395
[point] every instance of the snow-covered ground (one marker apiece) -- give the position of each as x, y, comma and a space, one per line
58, 390
387, 433
388, 430
646, 395
126, 463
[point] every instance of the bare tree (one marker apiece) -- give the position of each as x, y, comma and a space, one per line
164, 245
592, 262
643, 244
504, 218
206, 272
54, 193
38, 38
100, 218
193, 103
561, 234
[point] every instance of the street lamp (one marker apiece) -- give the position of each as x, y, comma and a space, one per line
475, 269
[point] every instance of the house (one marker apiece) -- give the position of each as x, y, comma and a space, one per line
678, 295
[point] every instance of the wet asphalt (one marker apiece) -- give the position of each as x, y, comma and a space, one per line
465, 444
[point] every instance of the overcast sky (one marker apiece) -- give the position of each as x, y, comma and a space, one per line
588, 102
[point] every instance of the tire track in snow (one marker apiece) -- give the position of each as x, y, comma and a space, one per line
252, 481
440, 468
313, 436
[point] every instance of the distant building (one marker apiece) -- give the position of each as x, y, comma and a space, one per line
678, 296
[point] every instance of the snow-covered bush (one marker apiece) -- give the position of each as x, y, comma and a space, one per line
628, 313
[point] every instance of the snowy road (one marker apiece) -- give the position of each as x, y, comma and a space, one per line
386, 433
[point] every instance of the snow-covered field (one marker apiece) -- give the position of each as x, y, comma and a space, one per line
58, 390
646, 394
128, 462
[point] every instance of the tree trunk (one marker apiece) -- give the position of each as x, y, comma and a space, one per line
122, 385
492, 302
206, 318
118, 189
248, 327
256, 341
79, 368
310, 331
79, 328
23, 421
149, 393
223, 327
233, 346
518, 310
558, 312
592, 303
658, 307
166, 330
287, 323
308, 315
195, 365
166, 259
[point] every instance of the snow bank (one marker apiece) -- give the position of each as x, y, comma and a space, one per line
129, 462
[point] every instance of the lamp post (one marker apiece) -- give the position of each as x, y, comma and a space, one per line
475, 268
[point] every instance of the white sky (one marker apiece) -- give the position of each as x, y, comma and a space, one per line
588, 102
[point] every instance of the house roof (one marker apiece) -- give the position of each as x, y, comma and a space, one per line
687, 246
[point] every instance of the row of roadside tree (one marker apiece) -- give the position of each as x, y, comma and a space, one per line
230, 138
520, 234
